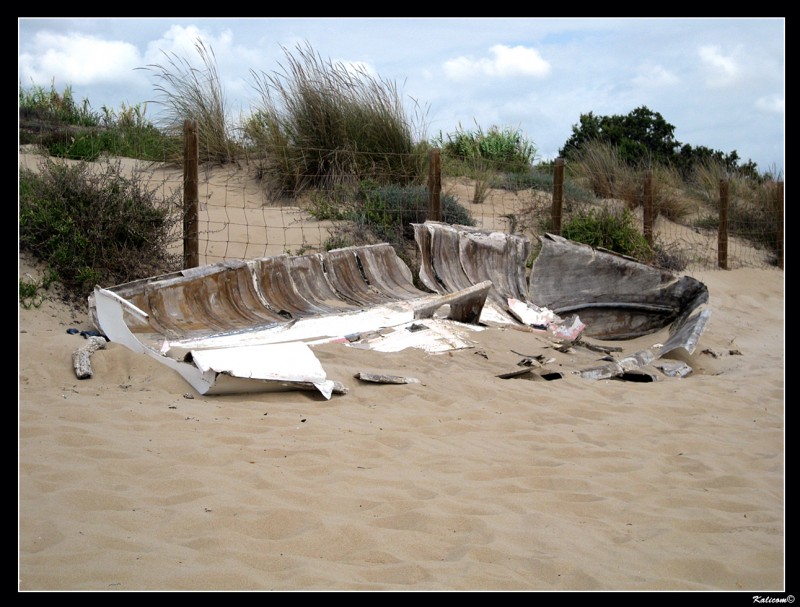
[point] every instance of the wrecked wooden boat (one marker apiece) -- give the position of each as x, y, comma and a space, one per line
248, 325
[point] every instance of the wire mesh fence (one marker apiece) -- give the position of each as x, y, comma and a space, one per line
241, 218
240, 213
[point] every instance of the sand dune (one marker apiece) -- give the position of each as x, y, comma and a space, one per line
130, 481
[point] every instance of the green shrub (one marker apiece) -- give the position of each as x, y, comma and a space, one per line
338, 241
671, 257
93, 225
86, 145
534, 179
38, 104
608, 229
331, 206
506, 149
383, 213
540, 178
144, 142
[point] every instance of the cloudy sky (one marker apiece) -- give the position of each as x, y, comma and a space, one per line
719, 81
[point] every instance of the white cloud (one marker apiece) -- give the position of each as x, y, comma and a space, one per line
772, 103
723, 69
182, 42
656, 76
506, 61
518, 61
460, 68
77, 59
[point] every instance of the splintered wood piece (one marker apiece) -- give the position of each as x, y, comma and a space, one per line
379, 378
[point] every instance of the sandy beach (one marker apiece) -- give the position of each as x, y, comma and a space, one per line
131, 481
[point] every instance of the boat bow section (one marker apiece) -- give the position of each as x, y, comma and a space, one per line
617, 297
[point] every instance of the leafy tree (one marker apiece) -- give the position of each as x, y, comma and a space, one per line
641, 135
644, 137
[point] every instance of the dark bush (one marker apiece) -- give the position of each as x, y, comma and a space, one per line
90, 224
608, 229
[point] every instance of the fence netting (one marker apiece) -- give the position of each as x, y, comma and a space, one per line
243, 213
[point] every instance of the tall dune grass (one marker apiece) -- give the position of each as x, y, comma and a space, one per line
754, 210
190, 93
322, 124
600, 166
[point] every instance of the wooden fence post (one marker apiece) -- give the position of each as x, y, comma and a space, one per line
558, 195
435, 185
647, 209
779, 196
722, 239
191, 245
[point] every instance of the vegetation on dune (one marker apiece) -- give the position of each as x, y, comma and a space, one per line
39, 104
486, 156
601, 168
608, 229
340, 138
506, 149
753, 209
191, 93
325, 125
64, 129
645, 137
94, 225
382, 213
32, 290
